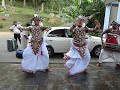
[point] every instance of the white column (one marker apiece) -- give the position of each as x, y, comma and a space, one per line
107, 17
3, 4
118, 14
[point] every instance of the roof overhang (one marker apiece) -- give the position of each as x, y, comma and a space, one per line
111, 1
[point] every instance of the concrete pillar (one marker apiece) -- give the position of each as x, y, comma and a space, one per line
118, 14
107, 17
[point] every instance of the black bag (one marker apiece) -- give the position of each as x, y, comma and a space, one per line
19, 53
11, 45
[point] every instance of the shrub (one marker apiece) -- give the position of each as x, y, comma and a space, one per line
1, 9
1, 26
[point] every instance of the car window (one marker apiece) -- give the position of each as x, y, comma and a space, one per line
68, 33
57, 33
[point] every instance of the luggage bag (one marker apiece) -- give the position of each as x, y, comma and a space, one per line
11, 45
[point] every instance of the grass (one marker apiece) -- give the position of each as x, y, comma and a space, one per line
23, 15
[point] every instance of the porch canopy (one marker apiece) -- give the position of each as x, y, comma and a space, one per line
112, 12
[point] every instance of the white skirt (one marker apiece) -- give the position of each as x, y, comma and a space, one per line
76, 64
105, 54
32, 62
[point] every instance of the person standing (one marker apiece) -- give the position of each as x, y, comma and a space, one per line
105, 53
16, 31
35, 55
78, 58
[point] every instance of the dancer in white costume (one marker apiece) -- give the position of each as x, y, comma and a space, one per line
35, 56
105, 54
78, 58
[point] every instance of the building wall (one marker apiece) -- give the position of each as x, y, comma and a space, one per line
113, 13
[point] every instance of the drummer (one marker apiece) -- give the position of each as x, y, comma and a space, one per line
105, 54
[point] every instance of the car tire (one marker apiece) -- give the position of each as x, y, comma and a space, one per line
96, 51
50, 51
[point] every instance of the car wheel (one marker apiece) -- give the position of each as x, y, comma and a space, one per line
50, 51
96, 51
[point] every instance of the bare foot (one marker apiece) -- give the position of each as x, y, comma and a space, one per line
98, 65
29, 73
68, 74
66, 57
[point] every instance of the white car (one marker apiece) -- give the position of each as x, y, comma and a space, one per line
59, 39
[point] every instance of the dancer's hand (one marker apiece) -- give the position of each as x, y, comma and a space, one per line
65, 57
97, 24
48, 28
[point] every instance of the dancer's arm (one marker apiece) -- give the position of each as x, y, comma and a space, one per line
24, 28
46, 28
104, 32
97, 26
72, 28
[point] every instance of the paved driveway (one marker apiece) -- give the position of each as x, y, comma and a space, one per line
12, 78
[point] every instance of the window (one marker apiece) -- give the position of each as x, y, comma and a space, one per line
68, 33
57, 33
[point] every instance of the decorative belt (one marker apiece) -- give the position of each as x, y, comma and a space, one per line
36, 41
79, 45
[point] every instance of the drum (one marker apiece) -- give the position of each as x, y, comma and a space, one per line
111, 38
112, 42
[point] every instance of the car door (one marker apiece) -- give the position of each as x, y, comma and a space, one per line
58, 40
89, 42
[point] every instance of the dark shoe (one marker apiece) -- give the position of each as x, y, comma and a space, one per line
17, 46
85, 72
47, 70
117, 66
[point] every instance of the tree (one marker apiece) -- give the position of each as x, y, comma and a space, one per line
11, 1
3, 4
24, 3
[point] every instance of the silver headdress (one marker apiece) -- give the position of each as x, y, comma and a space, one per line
116, 22
83, 18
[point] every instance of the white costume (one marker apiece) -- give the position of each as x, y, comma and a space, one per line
105, 54
35, 56
79, 56
76, 63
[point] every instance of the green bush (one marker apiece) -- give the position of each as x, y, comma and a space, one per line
1, 26
1, 9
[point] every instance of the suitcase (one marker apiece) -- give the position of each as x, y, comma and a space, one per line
19, 53
11, 45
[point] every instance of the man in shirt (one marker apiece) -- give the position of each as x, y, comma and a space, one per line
16, 31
